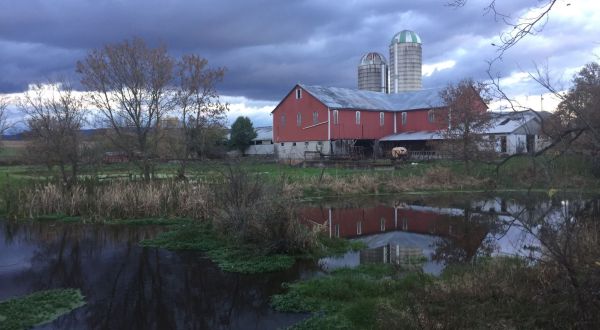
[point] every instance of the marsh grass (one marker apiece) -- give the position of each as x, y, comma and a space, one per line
116, 200
38, 308
346, 298
228, 255
431, 178
493, 293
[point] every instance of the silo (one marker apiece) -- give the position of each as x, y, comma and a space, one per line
405, 62
372, 73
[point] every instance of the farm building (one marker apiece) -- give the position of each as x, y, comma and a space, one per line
339, 121
314, 121
262, 144
517, 132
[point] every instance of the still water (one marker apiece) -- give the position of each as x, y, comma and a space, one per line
130, 287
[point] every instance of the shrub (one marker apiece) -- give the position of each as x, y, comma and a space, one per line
252, 212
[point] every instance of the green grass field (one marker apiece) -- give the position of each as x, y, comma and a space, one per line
517, 173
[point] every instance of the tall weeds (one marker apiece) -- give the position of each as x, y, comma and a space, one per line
117, 199
240, 206
255, 213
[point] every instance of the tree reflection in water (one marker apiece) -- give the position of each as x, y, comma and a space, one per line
130, 287
138, 288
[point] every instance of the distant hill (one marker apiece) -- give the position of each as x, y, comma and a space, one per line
21, 135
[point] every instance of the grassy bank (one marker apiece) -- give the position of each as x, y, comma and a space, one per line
521, 172
38, 308
494, 293
344, 299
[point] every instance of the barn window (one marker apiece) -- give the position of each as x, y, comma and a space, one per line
336, 117
298, 94
282, 144
431, 116
381, 118
382, 224
283, 120
337, 230
357, 117
299, 119
403, 118
293, 144
315, 118
306, 143
359, 228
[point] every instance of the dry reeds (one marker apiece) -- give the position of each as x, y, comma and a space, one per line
118, 199
434, 178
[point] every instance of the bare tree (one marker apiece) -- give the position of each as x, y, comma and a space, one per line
129, 82
202, 113
4, 123
466, 121
520, 27
54, 115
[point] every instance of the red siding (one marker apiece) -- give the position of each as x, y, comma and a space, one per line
369, 127
417, 120
290, 107
346, 128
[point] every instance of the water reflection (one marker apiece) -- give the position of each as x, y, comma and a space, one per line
131, 287
439, 233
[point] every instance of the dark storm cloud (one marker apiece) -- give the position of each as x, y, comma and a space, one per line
267, 46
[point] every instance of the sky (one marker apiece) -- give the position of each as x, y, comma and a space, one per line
268, 46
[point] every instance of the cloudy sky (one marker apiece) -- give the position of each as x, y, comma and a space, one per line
269, 45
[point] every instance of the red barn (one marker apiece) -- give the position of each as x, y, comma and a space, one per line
317, 120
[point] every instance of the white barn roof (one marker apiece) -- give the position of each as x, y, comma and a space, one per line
345, 98
517, 122
263, 133
413, 136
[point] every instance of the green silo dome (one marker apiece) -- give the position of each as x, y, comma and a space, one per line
406, 36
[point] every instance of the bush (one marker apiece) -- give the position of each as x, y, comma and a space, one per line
252, 212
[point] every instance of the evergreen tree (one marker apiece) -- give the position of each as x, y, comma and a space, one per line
242, 133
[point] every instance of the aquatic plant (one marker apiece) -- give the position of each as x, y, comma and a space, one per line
38, 308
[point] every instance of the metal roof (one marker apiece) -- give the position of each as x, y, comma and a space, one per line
519, 122
263, 133
406, 36
345, 98
413, 136
372, 58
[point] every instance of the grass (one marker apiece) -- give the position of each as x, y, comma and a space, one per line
518, 173
149, 221
38, 308
227, 255
235, 257
498, 293
336, 246
346, 298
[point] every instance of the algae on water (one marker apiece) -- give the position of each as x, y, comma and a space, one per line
38, 308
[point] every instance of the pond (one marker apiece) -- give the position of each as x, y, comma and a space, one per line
127, 286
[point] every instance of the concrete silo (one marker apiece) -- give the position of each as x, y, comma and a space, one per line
373, 73
405, 62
